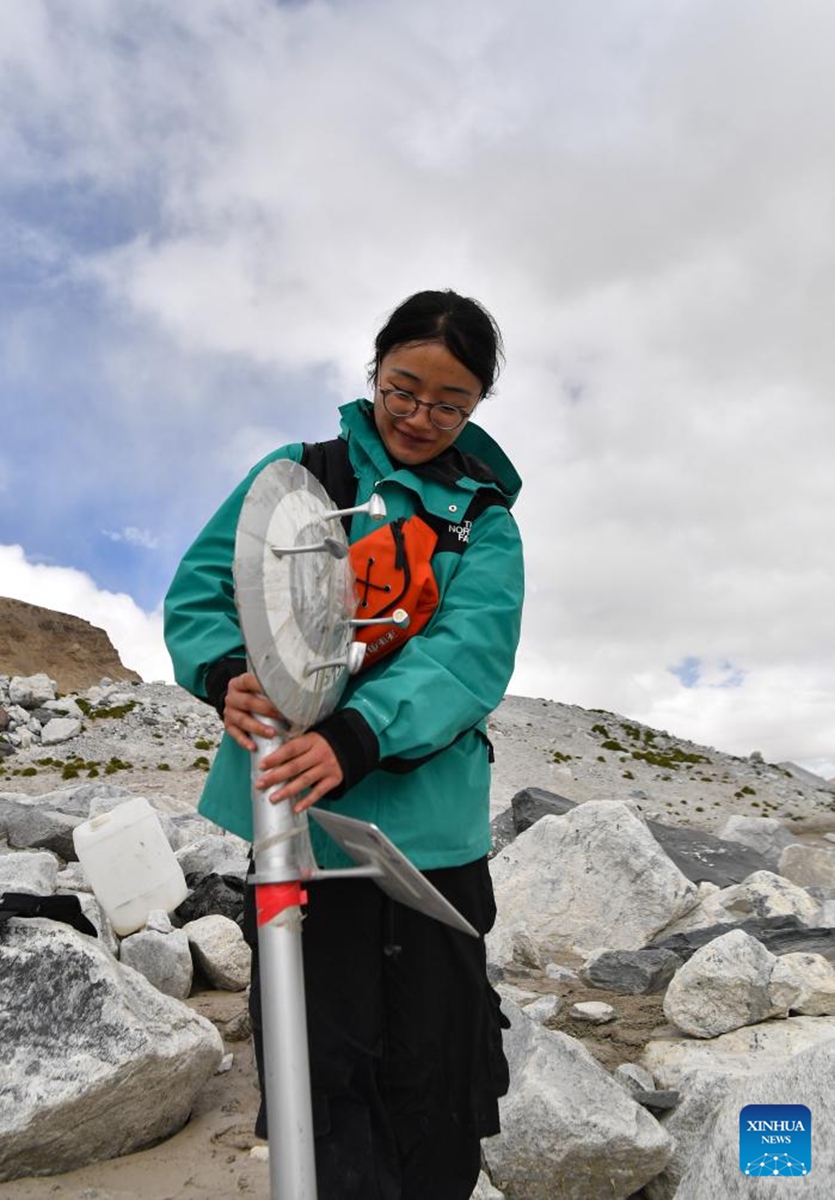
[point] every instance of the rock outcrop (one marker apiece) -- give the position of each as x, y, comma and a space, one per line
71, 651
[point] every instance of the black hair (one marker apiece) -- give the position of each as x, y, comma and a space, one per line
459, 323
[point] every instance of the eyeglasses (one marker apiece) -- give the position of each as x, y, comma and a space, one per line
399, 404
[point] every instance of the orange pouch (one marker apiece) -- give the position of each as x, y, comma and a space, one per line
393, 569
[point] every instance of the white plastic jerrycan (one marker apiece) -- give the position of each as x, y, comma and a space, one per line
129, 864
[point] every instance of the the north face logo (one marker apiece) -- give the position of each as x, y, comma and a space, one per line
462, 531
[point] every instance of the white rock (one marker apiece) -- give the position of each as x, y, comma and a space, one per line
634, 1078
223, 855
811, 977
723, 986
543, 1009
704, 1072
594, 1011
32, 871
159, 920
97, 1063
484, 1190
808, 866
805, 1079
220, 951
569, 1132
163, 958
763, 894
593, 877
60, 729
30, 691
559, 973
766, 835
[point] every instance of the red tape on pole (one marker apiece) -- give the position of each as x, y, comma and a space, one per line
272, 899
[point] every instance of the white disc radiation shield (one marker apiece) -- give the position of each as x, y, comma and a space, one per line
294, 589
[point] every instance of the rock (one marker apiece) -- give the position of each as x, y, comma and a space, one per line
531, 804
61, 729
569, 1132
766, 835
698, 855
634, 1078
805, 1079
163, 958
215, 854
592, 1011
762, 894
72, 879
632, 972
71, 650
809, 866
595, 876
543, 1009
724, 985
657, 1101
707, 1071
559, 973
30, 827
220, 951
86, 1041
223, 894
812, 979
780, 935
29, 691
484, 1189
32, 871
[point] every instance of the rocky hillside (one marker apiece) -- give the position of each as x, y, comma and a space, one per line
73, 652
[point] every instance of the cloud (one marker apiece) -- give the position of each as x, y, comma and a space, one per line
133, 537
137, 635
212, 219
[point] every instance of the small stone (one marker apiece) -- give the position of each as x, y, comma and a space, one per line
159, 920
543, 1009
593, 1011
559, 973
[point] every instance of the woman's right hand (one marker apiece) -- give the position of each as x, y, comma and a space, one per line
245, 703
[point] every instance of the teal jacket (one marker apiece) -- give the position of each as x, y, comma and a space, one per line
425, 706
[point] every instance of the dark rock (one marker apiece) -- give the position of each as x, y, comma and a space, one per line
502, 831
4, 718
6, 750
780, 935
222, 894
702, 857
658, 1101
632, 972
532, 803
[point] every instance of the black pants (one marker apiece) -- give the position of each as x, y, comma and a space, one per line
404, 1035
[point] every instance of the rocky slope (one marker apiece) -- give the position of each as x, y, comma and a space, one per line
160, 740
73, 652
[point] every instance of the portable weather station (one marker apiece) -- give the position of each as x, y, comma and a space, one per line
294, 589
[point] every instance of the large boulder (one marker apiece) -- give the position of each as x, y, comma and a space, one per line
780, 935
811, 979
569, 1131
595, 877
806, 1079
697, 854
98, 1063
32, 871
704, 1072
809, 866
768, 836
725, 985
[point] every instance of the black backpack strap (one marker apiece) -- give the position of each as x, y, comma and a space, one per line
330, 463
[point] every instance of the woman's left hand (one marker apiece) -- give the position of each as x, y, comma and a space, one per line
306, 761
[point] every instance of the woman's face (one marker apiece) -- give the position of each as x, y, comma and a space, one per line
432, 375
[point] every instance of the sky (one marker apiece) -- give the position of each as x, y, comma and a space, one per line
207, 210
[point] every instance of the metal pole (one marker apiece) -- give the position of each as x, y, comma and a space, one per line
283, 859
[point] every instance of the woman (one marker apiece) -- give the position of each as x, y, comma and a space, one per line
404, 1029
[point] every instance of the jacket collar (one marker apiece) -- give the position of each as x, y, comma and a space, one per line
474, 460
